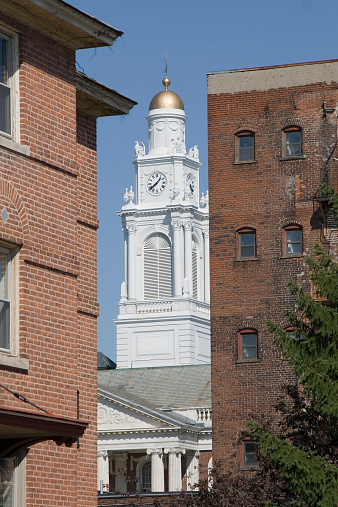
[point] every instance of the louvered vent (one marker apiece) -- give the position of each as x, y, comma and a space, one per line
157, 268
194, 270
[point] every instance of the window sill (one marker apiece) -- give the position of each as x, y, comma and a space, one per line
17, 363
253, 468
248, 361
12, 145
243, 259
240, 162
294, 157
294, 256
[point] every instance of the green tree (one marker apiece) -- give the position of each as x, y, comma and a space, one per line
305, 451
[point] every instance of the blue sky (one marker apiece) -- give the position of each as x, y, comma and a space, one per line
198, 37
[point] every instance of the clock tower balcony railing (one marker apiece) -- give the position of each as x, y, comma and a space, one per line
173, 306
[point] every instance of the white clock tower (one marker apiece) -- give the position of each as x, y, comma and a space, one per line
164, 310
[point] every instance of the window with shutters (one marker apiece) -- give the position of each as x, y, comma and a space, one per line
157, 267
194, 270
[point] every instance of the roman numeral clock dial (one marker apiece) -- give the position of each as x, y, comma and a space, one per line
156, 183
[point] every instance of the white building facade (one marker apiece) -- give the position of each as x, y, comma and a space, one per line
154, 410
164, 310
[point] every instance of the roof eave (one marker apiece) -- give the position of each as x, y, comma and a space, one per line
97, 100
61, 22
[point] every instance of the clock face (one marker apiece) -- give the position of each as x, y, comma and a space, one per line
190, 184
156, 183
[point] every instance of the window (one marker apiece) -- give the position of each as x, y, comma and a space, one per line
249, 457
146, 477
13, 481
248, 344
245, 149
292, 142
157, 267
5, 86
293, 240
246, 243
194, 270
5, 298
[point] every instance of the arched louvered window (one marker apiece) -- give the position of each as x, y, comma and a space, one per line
157, 268
194, 270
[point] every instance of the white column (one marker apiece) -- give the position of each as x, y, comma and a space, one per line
121, 472
188, 255
193, 474
206, 268
157, 470
177, 225
175, 469
131, 276
102, 471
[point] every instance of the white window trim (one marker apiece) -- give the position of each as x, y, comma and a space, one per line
11, 357
12, 140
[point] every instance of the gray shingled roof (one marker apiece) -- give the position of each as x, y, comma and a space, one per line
164, 387
104, 363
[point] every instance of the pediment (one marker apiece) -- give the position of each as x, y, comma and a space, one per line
117, 417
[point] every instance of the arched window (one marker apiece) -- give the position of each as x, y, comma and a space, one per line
145, 477
292, 239
292, 142
157, 267
247, 345
246, 243
245, 146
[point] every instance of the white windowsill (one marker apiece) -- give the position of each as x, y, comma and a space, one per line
12, 145
18, 363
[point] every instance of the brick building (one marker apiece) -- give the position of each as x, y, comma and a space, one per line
272, 141
48, 223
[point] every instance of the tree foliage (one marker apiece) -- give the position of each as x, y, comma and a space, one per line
305, 451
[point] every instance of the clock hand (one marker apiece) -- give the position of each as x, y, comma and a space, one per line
154, 185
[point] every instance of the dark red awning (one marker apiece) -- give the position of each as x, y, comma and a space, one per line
21, 429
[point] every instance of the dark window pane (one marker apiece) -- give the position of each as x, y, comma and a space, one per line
3, 61
4, 325
294, 241
250, 454
245, 148
247, 244
249, 345
293, 143
5, 109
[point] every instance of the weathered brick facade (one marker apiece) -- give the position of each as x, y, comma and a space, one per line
48, 188
275, 189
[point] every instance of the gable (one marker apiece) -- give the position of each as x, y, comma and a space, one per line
113, 417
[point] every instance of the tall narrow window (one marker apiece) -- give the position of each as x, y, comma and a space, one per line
292, 142
194, 270
247, 344
293, 240
249, 456
245, 146
157, 268
146, 477
5, 85
5, 297
246, 243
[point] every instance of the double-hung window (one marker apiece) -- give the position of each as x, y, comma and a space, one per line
247, 344
293, 240
245, 146
5, 298
5, 85
246, 239
292, 142
249, 454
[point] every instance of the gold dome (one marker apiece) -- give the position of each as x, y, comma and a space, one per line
166, 99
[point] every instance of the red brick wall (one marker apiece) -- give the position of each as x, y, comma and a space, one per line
266, 195
51, 200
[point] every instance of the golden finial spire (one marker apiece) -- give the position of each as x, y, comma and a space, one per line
166, 80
